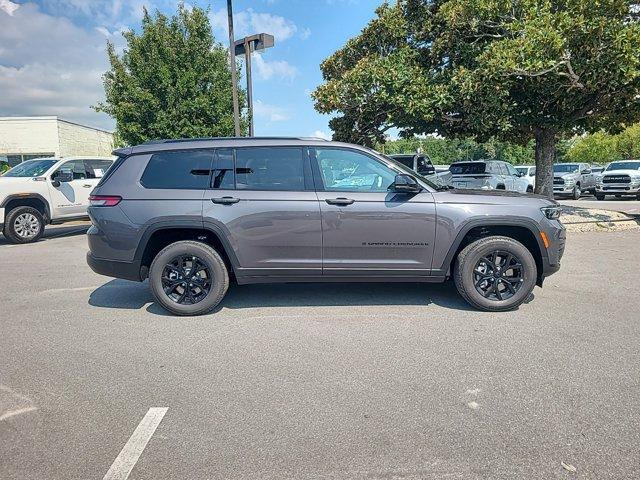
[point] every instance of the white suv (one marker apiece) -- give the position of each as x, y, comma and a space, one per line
46, 190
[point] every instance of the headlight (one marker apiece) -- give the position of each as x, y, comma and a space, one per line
552, 213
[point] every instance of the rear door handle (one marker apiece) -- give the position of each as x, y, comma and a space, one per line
339, 201
87, 186
225, 200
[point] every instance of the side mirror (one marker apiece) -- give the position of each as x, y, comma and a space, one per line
62, 176
405, 183
586, 172
520, 174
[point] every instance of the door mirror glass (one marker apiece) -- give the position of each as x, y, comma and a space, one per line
405, 183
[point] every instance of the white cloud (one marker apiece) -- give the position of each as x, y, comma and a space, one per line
248, 22
8, 6
52, 67
321, 134
305, 33
280, 69
272, 113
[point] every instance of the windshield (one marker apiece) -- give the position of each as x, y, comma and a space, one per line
565, 168
31, 168
624, 166
471, 168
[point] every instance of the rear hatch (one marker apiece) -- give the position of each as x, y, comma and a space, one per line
467, 174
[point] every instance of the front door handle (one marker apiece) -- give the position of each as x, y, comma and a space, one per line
339, 201
225, 200
87, 186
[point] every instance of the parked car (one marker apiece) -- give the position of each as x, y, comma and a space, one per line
528, 173
620, 179
423, 165
488, 175
597, 171
571, 179
265, 210
46, 190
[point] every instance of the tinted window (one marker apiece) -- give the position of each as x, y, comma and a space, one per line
407, 161
188, 170
470, 168
424, 167
76, 167
96, 168
223, 171
269, 168
349, 171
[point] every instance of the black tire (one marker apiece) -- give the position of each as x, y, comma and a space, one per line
218, 277
23, 225
599, 196
529, 189
576, 192
500, 187
464, 273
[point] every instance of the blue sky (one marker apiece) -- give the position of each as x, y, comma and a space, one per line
52, 54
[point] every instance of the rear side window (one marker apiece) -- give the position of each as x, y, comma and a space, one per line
223, 170
471, 168
184, 170
96, 168
269, 168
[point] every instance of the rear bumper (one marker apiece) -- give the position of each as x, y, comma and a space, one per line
109, 268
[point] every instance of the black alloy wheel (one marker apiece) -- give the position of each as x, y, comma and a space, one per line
186, 279
498, 275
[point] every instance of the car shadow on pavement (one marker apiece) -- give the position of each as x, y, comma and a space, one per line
135, 296
56, 232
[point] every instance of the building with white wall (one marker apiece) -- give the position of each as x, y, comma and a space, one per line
23, 138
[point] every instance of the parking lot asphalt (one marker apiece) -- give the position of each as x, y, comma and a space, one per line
344, 381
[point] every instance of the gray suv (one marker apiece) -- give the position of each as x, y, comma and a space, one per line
190, 215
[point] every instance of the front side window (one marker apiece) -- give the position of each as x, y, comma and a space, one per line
270, 168
350, 171
511, 169
183, 170
30, 168
76, 167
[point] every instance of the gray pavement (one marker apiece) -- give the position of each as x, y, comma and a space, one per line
382, 381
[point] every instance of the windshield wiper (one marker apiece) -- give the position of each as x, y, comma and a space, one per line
441, 188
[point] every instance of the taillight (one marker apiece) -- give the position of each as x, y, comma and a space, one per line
104, 200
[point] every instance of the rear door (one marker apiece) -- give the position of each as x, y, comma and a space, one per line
261, 199
366, 229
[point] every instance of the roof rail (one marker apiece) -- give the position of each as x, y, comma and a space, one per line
205, 139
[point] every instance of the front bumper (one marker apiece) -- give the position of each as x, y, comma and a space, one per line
109, 268
563, 189
552, 256
618, 188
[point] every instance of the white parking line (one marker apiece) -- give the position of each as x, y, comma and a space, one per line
130, 453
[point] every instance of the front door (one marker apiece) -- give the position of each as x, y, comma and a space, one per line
262, 200
365, 228
70, 199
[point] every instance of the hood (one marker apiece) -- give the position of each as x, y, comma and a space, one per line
631, 173
498, 197
11, 185
566, 175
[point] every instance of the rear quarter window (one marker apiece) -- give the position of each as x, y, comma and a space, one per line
181, 170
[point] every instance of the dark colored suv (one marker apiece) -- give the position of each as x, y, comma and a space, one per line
192, 214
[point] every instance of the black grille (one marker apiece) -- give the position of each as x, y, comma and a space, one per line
616, 179
558, 181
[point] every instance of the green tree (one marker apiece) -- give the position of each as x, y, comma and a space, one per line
173, 80
516, 70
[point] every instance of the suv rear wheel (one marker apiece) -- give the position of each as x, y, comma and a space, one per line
495, 273
23, 225
188, 278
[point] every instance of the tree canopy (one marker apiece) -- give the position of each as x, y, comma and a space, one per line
173, 80
511, 69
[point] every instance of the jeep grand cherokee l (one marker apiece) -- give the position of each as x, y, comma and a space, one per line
189, 215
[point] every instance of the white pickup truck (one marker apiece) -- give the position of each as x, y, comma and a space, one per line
47, 190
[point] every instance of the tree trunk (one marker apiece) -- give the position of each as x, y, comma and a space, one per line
545, 156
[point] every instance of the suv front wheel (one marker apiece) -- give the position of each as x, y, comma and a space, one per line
23, 225
188, 278
495, 273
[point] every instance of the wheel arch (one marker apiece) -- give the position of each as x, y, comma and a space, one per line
523, 230
34, 200
158, 236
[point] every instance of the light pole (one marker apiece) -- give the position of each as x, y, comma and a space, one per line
234, 80
246, 46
